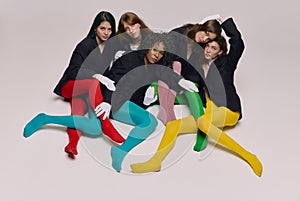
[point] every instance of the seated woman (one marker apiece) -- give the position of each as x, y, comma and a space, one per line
131, 34
82, 77
132, 31
223, 106
189, 40
148, 64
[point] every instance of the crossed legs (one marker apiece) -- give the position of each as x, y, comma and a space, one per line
207, 123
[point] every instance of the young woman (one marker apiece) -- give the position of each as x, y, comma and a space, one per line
148, 65
220, 112
131, 33
83, 76
189, 40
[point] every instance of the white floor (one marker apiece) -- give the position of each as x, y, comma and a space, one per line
37, 39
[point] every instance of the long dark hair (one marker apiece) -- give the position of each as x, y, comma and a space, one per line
101, 17
210, 26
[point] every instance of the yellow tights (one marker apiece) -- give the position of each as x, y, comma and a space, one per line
213, 118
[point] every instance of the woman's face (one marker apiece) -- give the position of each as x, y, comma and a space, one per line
204, 36
156, 53
103, 31
134, 30
212, 50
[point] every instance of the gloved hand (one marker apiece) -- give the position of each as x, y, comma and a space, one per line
106, 81
149, 96
210, 17
119, 54
103, 108
188, 85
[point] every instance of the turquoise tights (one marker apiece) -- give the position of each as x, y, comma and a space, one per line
91, 125
129, 113
144, 124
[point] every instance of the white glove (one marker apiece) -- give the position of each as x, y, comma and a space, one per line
119, 54
149, 96
106, 81
210, 17
188, 85
103, 108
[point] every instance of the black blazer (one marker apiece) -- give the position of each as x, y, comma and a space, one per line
86, 61
224, 93
135, 77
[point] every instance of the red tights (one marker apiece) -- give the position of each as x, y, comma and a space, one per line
75, 91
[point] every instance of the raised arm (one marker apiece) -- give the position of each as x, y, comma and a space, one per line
235, 40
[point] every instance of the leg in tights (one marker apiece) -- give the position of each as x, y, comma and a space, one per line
78, 107
167, 97
91, 125
173, 128
91, 89
166, 101
196, 107
144, 124
75, 124
211, 122
212, 131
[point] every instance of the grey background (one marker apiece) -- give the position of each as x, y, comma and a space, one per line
36, 42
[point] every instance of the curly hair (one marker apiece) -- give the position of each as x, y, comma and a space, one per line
155, 38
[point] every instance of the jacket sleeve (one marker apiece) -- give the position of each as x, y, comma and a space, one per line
117, 71
236, 42
76, 70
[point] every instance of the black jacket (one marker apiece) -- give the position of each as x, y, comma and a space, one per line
224, 93
86, 61
132, 78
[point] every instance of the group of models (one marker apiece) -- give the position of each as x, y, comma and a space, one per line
118, 74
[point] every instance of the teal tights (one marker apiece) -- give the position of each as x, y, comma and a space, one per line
144, 124
91, 125
129, 113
